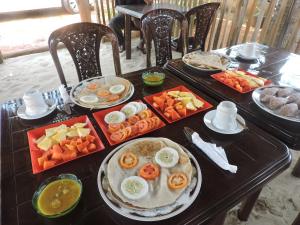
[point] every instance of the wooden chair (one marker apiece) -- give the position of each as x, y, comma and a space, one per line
83, 43
157, 26
202, 16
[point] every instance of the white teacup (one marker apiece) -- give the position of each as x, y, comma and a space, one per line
248, 51
34, 103
225, 118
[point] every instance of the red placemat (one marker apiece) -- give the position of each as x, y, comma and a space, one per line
99, 117
207, 105
34, 134
218, 77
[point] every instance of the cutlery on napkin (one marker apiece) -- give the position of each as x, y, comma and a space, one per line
216, 154
66, 99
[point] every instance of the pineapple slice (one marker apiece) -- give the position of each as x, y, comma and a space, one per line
198, 103
186, 94
82, 132
174, 94
45, 144
78, 125
60, 136
72, 133
50, 131
40, 139
191, 106
184, 100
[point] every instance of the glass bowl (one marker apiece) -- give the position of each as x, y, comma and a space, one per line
43, 186
153, 78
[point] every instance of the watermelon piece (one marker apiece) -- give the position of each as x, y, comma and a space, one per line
69, 155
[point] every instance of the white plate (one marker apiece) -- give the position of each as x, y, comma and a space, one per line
184, 59
208, 122
161, 213
104, 79
256, 98
21, 112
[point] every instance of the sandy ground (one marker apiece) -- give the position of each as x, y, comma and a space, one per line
279, 202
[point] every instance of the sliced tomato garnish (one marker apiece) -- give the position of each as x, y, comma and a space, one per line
177, 181
128, 160
143, 126
149, 171
133, 119
118, 136
113, 127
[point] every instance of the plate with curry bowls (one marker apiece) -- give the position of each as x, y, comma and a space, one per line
280, 101
102, 92
149, 179
206, 61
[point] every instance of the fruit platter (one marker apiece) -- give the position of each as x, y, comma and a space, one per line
127, 121
240, 81
149, 179
102, 92
62, 142
280, 101
177, 103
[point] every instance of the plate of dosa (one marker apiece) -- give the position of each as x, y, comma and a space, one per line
206, 61
164, 196
101, 92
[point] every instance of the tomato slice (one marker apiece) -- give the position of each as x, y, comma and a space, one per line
128, 131
113, 127
177, 181
118, 136
133, 119
128, 160
149, 171
143, 126
156, 121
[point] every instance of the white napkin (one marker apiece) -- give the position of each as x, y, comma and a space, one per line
64, 94
216, 154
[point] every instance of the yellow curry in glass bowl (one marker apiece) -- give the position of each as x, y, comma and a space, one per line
57, 196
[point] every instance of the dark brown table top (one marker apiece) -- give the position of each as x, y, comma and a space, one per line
258, 163
274, 64
138, 11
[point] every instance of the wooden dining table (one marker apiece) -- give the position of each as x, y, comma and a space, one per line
257, 163
277, 65
137, 11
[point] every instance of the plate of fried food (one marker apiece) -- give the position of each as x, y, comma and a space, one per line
149, 179
206, 61
280, 101
102, 92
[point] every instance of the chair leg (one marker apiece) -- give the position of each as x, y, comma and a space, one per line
297, 220
247, 206
296, 170
128, 36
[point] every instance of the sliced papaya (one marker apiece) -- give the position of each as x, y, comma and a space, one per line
91, 147
182, 112
48, 164
69, 155
175, 115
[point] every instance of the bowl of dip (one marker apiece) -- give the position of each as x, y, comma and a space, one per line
153, 78
57, 196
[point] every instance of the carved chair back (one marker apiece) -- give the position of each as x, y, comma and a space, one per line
157, 26
83, 43
202, 16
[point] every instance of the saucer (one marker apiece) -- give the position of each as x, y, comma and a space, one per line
21, 112
208, 122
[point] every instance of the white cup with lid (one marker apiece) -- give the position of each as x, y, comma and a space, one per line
34, 103
225, 117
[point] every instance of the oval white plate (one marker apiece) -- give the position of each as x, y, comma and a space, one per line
21, 112
156, 214
208, 122
77, 88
